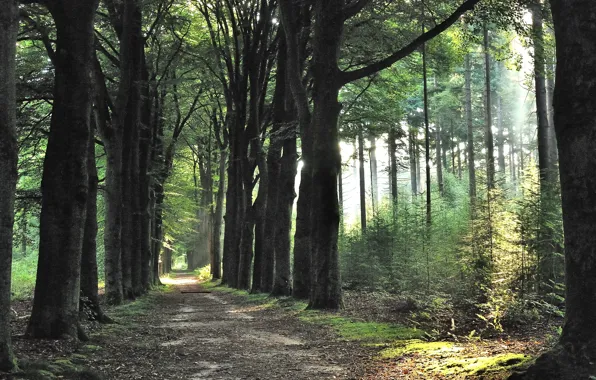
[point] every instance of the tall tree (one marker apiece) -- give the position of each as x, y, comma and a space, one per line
427, 137
470, 130
327, 79
546, 161
374, 182
361, 179
575, 123
8, 170
65, 184
89, 275
488, 129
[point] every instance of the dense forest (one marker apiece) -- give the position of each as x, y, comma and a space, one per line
438, 152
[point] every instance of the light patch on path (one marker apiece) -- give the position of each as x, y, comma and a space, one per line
215, 298
271, 339
207, 371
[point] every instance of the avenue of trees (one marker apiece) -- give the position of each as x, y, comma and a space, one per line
139, 135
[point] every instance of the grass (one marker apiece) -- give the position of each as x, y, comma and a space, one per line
348, 329
24, 271
366, 332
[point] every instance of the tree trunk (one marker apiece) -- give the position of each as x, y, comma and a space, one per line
470, 124
289, 164
9, 21
145, 179
89, 280
575, 121
232, 228
500, 136
488, 132
393, 164
218, 216
550, 89
413, 162
65, 179
440, 153
374, 183
547, 262
362, 180
276, 142
326, 284
427, 140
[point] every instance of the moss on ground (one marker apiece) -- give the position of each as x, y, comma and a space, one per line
57, 369
419, 347
480, 365
367, 332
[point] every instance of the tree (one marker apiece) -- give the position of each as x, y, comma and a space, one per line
328, 79
65, 184
575, 123
8, 170
488, 130
470, 130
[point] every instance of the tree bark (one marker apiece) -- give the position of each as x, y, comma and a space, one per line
282, 285
65, 179
470, 124
276, 142
412, 142
488, 131
500, 136
361, 180
218, 217
374, 183
547, 262
575, 121
89, 278
393, 164
233, 221
146, 180
9, 21
439, 153
427, 140
326, 285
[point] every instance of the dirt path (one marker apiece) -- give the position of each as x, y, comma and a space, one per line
189, 333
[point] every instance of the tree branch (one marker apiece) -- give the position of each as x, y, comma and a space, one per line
353, 8
350, 76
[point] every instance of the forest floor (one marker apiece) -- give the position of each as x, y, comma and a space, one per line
198, 331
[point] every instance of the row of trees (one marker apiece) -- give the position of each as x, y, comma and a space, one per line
166, 84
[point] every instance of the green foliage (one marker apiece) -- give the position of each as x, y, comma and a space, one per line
24, 270
204, 273
399, 253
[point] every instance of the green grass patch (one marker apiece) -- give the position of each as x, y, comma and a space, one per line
367, 332
417, 346
480, 365
24, 271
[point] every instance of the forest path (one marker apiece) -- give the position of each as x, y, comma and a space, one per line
190, 333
